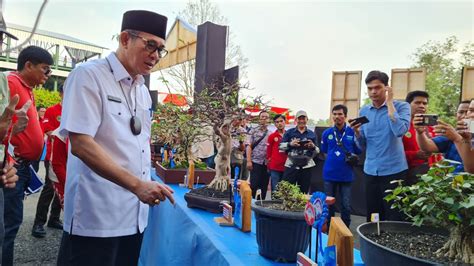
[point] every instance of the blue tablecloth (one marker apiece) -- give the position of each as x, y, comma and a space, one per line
178, 235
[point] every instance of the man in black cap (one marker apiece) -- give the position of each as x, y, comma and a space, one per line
107, 117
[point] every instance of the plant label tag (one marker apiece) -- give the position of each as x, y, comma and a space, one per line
258, 194
374, 217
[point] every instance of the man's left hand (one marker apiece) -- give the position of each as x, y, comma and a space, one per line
310, 144
445, 129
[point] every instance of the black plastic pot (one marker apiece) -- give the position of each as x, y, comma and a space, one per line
280, 234
375, 254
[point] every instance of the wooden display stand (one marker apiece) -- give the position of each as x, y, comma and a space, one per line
342, 237
246, 197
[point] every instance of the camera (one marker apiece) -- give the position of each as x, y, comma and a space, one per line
351, 159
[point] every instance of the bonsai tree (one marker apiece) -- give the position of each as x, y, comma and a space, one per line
443, 199
211, 108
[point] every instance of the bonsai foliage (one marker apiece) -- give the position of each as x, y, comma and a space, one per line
176, 127
444, 199
293, 199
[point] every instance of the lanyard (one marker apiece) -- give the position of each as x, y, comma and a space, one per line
339, 141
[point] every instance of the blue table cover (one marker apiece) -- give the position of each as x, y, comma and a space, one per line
178, 235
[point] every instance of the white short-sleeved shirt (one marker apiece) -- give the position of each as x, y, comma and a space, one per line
94, 105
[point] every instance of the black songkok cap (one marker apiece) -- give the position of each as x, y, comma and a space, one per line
145, 21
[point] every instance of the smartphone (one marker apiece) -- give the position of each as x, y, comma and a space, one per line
429, 120
470, 125
359, 120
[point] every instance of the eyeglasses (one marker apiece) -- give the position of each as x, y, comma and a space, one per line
152, 46
47, 70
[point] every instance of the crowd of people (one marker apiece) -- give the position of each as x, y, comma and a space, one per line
104, 121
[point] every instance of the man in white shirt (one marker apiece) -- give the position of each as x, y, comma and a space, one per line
107, 117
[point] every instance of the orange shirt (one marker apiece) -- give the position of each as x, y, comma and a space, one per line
29, 143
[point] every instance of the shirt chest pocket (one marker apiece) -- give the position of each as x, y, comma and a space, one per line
118, 111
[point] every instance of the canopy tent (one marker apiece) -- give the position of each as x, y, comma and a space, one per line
254, 111
175, 99
181, 44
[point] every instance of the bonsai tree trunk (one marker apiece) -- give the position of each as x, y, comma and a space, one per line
460, 245
222, 179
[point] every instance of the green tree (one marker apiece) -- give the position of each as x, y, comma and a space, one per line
443, 62
46, 98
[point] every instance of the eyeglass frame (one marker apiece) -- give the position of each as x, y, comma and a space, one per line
47, 70
160, 49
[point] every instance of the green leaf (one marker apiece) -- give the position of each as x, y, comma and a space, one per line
449, 200
426, 178
468, 204
419, 201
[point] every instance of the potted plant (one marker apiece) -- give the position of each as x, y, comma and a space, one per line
282, 231
176, 129
441, 207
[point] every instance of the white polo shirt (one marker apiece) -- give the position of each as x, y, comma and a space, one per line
94, 105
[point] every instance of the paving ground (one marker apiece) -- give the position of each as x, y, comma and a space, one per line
33, 251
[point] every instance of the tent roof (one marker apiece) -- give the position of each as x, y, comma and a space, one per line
53, 37
181, 44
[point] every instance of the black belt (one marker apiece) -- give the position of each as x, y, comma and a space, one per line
22, 161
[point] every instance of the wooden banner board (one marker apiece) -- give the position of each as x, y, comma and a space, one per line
342, 237
346, 86
405, 80
467, 85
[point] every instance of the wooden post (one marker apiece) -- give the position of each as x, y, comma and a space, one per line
246, 197
342, 237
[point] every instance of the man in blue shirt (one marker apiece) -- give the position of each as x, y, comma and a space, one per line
300, 145
338, 143
385, 161
444, 142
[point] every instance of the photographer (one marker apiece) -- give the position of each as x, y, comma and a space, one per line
417, 159
299, 143
339, 144
446, 135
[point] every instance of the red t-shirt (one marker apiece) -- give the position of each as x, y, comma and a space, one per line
276, 158
411, 147
51, 121
29, 143
58, 162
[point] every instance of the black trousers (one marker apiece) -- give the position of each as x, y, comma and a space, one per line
259, 178
412, 175
99, 251
47, 195
302, 177
375, 187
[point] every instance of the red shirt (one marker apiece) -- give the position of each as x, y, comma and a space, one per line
411, 147
58, 162
29, 143
276, 158
51, 121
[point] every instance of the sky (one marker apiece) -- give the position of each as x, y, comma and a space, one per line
292, 46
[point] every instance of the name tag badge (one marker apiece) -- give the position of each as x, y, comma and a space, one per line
114, 99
